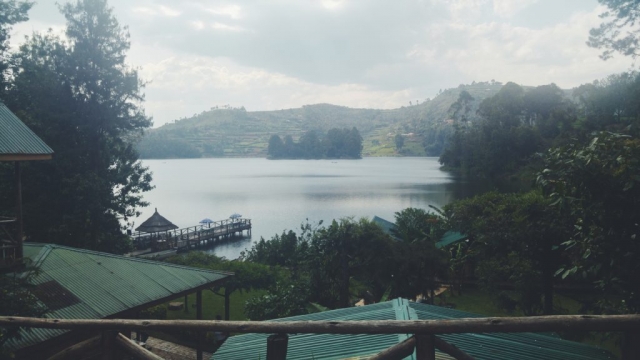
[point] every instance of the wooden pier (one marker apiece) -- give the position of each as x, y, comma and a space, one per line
166, 243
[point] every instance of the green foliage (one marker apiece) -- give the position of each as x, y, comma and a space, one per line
514, 239
284, 300
514, 124
399, 140
17, 299
83, 100
247, 275
11, 13
157, 312
159, 146
619, 32
336, 144
595, 186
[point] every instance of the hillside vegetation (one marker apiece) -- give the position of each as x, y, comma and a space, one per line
235, 132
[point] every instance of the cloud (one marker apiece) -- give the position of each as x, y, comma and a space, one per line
283, 53
231, 11
508, 8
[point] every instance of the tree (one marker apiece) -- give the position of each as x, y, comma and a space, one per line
85, 102
276, 147
596, 186
460, 109
515, 239
418, 262
399, 140
11, 13
619, 32
17, 299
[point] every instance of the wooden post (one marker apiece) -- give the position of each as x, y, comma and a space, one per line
199, 317
277, 347
425, 347
108, 344
227, 305
186, 303
631, 346
398, 351
19, 234
131, 348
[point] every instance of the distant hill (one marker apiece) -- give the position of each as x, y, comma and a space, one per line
234, 132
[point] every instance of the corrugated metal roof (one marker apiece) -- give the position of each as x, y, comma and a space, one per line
16, 138
522, 346
106, 284
450, 237
387, 226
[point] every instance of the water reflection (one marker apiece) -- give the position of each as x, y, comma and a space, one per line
279, 195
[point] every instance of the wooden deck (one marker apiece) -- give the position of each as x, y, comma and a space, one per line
167, 243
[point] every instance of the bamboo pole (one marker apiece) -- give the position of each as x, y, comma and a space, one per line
134, 349
471, 325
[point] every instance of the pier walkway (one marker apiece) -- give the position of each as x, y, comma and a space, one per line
172, 241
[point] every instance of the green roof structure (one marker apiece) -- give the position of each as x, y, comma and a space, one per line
387, 226
17, 141
82, 284
450, 237
501, 346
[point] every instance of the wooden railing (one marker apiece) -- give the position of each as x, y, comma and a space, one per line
424, 341
181, 237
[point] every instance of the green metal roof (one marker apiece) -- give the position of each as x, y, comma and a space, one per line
16, 138
387, 226
523, 346
86, 284
450, 237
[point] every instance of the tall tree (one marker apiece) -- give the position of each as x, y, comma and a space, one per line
83, 100
595, 185
11, 13
620, 31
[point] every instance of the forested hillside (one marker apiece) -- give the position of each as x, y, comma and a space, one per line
237, 132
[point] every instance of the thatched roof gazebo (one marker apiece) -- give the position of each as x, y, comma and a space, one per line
156, 223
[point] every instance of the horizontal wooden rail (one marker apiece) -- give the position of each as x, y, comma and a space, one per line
629, 323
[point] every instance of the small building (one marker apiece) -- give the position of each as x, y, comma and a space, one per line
156, 223
387, 226
495, 346
17, 143
81, 284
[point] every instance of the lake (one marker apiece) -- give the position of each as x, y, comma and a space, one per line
281, 194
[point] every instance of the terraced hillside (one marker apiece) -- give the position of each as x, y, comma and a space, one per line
234, 132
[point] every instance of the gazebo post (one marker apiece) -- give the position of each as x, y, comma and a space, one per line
19, 234
199, 317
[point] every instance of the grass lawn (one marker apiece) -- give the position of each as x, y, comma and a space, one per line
213, 305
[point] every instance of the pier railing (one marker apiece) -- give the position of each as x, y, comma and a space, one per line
183, 237
424, 341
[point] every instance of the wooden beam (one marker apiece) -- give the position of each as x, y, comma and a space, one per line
135, 350
398, 351
20, 222
25, 157
199, 317
631, 346
78, 350
277, 347
108, 342
626, 323
451, 349
425, 347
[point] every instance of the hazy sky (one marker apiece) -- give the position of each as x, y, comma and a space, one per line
276, 54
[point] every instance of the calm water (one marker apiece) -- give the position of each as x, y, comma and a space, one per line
280, 194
